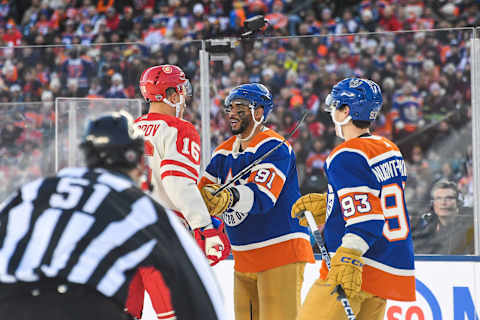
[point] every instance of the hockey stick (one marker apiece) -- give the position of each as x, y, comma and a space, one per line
254, 163
342, 297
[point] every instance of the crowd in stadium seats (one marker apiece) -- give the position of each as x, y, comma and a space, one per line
60, 48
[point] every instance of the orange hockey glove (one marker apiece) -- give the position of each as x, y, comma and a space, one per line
346, 270
316, 203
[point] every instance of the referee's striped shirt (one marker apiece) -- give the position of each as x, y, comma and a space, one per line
96, 228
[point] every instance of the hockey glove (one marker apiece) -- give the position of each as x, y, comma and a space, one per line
221, 202
346, 270
213, 241
316, 203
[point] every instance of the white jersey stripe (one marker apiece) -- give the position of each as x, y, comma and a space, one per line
372, 161
384, 156
116, 233
17, 227
37, 245
222, 152
255, 148
269, 242
116, 183
363, 218
267, 192
18, 224
252, 149
115, 277
76, 228
210, 177
362, 189
388, 269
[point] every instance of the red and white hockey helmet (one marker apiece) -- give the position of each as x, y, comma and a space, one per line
155, 81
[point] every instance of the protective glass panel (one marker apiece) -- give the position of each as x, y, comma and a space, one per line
425, 80
26, 143
73, 115
34, 74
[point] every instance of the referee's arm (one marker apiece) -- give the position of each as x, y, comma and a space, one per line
194, 289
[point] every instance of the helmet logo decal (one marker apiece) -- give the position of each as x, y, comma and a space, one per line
355, 83
167, 69
130, 155
348, 94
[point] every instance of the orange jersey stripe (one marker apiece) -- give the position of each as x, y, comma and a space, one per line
226, 145
261, 259
204, 181
383, 284
368, 145
271, 181
387, 285
357, 204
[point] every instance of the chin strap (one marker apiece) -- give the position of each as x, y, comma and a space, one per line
339, 124
177, 106
256, 123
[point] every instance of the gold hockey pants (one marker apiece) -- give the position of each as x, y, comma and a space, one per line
268, 295
321, 305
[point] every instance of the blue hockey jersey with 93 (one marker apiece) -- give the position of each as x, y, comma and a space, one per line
262, 233
367, 178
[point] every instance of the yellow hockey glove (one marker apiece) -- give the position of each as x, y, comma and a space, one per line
221, 202
316, 203
346, 270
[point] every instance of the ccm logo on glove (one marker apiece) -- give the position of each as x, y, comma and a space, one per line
355, 262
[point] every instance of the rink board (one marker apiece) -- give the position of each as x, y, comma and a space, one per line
448, 288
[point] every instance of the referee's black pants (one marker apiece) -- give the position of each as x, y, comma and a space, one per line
54, 300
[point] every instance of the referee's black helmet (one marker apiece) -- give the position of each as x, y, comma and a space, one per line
112, 141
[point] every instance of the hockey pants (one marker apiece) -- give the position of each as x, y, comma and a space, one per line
267, 295
320, 304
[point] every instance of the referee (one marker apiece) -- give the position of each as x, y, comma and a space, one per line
71, 245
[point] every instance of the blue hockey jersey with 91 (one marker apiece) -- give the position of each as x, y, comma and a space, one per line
367, 177
262, 233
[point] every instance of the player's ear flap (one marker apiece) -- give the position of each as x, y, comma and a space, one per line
258, 113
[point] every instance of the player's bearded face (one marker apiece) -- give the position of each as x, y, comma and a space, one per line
240, 117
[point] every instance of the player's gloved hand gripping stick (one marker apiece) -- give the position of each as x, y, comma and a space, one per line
342, 297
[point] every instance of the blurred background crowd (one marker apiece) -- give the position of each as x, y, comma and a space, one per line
89, 48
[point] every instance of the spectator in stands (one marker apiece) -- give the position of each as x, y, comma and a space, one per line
9, 134
447, 228
435, 64
116, 90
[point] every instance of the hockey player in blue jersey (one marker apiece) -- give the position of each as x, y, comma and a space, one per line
269, 247
364, 213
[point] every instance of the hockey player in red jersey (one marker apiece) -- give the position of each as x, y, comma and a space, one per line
367, 227
172, 152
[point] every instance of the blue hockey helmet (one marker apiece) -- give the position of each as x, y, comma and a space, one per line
364, 98
256, 94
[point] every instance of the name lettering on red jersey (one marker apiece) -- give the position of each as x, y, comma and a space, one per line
149, 129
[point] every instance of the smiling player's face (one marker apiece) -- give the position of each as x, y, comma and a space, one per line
239, 116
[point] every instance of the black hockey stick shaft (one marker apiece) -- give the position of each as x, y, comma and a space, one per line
342, 297
254, 163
